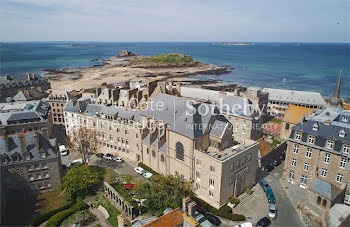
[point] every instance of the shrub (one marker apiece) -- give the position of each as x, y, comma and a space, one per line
44, 217
234, 200
225, 211
148, 169
58, 218
249, 191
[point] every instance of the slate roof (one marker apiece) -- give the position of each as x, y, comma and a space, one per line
338, 214
296, 114
325, 131
21, 80
14, 145
23, 111
218, 128
200, 93
325, 189
291, 96
237, 106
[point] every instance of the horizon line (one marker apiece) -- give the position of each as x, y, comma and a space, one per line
94, 41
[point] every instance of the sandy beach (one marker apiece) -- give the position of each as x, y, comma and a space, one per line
116, 69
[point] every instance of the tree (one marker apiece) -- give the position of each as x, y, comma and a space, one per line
81, 180
164, 191
84, 141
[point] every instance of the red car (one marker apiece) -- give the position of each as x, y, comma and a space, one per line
129, 186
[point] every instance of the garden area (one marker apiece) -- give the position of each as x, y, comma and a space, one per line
112, 211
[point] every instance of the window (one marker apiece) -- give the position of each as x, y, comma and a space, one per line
311, 139
324, 172
211, 182
315, 127
198, 175
30, 177
29, 168
306, 166
43, 155
198, 186
232, 166
327, 158
294, 162
211, 194
249, 157
40, 185
347, 199
287, 126
330, 144
296, 148
36, 166
291, 175
198, 162
308, 152
244, 123
346, 148
303, 180
298, 136
15, 158
153, 153
27, 157
179, 151
342, 133
212, 168
162, 158
345, 119
343, 162
46, 175
339, 178
38, 176
47, 184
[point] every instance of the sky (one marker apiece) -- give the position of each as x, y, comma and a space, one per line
175, 20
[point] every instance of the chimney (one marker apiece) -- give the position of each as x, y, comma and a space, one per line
36, 140
43, 131
22, 141
191, 207
28, 76
185, 201
6, 140
98, 91
33, 76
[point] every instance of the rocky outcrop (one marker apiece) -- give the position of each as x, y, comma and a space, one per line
125, 53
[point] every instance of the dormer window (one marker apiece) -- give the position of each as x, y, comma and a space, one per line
27, 157
345, 119
330, 144
4, 160
311, 139
15, 158
43, 154
298, 136
315, 127
342, 133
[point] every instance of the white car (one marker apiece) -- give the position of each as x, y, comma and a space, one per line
76, 162
272, 211
118, 159
63, 150
139, 170
108, 157
245, 224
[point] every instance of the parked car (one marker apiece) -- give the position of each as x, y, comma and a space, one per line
265, 221
282, 156
99, 155
276, 162
264, 184
108, 157
213, 219
76, 162
129, 186
200, 209
245, 224
147, 175
118, 159
272, 211
63, 150
268, 168
139, 170
270, 196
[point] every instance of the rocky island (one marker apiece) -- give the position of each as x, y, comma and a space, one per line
127, 66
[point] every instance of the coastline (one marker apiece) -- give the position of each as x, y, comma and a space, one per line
116, 69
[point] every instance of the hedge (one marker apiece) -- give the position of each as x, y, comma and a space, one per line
59, 217
44, 217
148, 169
225, 211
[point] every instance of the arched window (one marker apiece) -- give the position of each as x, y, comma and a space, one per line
162, 158
179, 151
319, 199
153, 153
324, 203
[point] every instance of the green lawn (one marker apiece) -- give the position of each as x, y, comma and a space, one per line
51, 201
164, 58
75, 217
274, 120
113, 212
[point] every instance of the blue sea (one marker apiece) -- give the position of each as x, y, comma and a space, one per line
306, 66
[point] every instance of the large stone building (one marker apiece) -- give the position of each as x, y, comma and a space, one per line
197, 147
279, 100
317, 157
57, 101
25, 117
30, 164
11, 85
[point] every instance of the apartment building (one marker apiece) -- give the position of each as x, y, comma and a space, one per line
280, 99
199, 148
317, 157
30, 164
10, 85
116, 127
27, 116
57, 101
